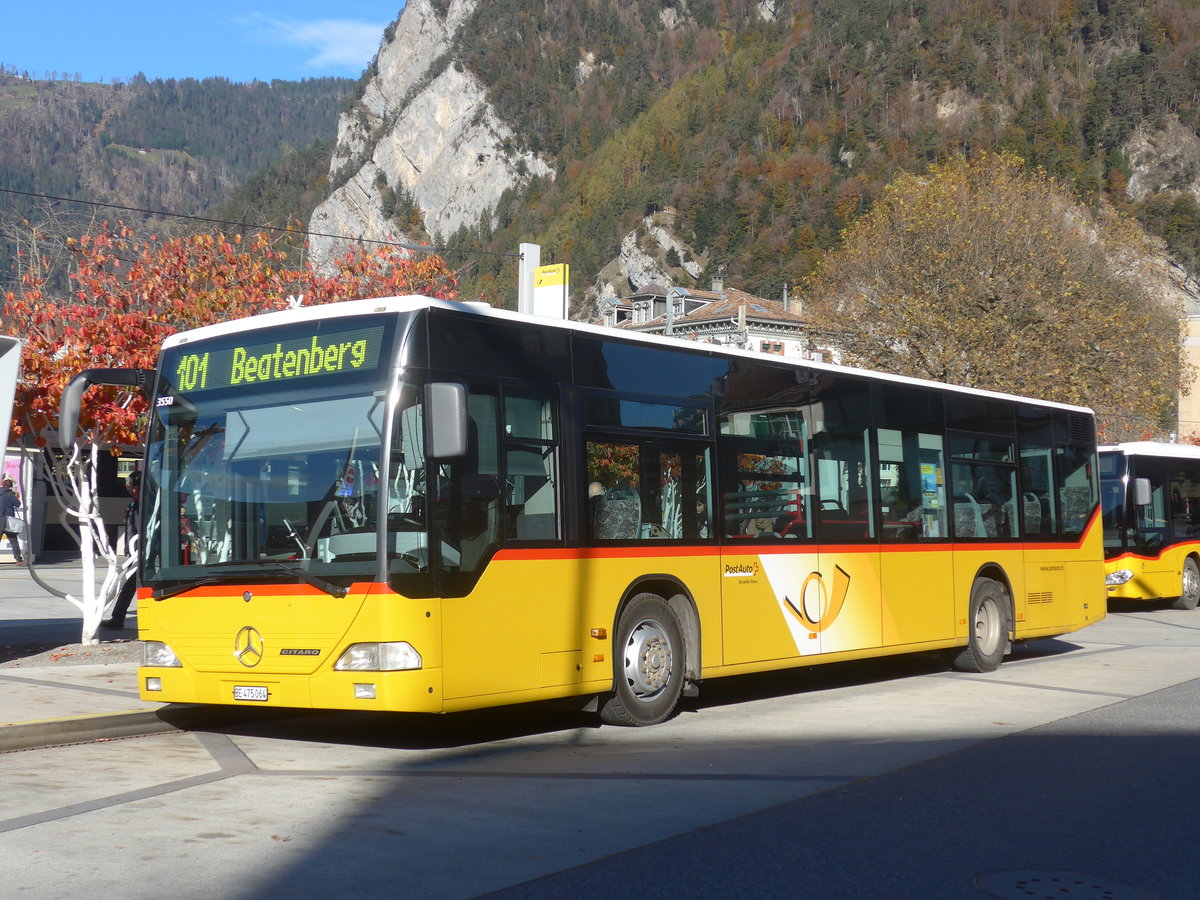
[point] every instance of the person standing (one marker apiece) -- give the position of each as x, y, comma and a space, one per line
133, 484
9, 504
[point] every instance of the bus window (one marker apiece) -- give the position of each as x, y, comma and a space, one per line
531, 472
912, 481
767, 453
1039, 505
647, 490
984, 485
1185, 498
844, 505
466, 499
1079, 491
1147, 523
912, 468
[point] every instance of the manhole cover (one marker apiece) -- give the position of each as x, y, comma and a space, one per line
1057, 886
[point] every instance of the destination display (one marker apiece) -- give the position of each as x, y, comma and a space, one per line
319, 353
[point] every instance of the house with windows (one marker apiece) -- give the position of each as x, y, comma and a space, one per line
724, 316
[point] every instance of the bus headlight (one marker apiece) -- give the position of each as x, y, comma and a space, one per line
1118, 577
381, 657
156, 653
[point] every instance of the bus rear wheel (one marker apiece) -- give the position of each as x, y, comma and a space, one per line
987, 638
648, 664
1189, 597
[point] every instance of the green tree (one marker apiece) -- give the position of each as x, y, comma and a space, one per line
980, 273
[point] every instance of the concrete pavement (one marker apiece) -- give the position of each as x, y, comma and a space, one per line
1071, 769
1075, 761
57, 698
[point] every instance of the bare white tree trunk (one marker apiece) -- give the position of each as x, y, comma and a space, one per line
74, 484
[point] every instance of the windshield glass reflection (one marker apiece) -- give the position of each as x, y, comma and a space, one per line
291, 482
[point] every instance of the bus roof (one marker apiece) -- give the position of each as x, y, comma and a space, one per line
415, 302
1153, 448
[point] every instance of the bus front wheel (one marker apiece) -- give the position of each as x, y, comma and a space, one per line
1190, 595
987, 624
648, 664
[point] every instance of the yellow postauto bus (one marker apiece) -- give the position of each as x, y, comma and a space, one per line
1150, 495
417, 505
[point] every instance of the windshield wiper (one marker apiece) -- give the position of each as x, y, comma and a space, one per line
164, 592
333, 590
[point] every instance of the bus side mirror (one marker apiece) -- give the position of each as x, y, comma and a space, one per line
1141, 492
447, 416
72, 396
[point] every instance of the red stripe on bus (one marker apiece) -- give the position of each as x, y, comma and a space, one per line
1170, 547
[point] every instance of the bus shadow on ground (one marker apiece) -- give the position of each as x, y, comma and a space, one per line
411, 731
1042, 648
1139, 606
387, 730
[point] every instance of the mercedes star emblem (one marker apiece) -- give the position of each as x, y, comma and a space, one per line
248, 647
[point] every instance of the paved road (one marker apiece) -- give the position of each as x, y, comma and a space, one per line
1071, 772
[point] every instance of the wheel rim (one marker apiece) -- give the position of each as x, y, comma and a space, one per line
648, 657
987, 626
1191, 582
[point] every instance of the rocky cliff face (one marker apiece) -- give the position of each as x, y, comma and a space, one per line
422, 130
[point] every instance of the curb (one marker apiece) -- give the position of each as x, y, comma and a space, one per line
81, 729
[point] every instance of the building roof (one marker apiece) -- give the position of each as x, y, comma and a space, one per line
716, 306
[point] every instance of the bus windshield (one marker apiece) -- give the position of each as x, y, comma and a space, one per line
286, 478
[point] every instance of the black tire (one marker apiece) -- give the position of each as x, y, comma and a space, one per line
1189, 595
648, 664
987, 628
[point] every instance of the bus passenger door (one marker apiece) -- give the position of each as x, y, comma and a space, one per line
1151, 535
842, 602
768, 554
510, 611
841, 599
915, 562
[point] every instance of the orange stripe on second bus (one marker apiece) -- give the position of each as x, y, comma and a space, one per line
1170, 548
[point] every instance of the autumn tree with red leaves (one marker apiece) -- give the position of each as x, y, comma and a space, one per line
128, 295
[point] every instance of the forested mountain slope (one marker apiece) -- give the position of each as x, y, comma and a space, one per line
765, 126
177, 145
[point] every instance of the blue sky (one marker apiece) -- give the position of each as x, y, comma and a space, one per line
241, 41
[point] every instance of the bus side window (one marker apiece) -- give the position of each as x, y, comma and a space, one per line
840, 446
913, 483
1079, 491
983, 478
1039, 507
467, 501
764, 466
614, 506
1185, 499
647, 491
531, 471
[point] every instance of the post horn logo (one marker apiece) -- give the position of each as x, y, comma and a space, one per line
828, 603
248, 647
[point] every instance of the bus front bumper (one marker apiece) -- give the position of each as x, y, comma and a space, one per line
417, 691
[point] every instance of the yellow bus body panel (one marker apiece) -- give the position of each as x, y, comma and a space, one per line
540, 624
1154, 577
